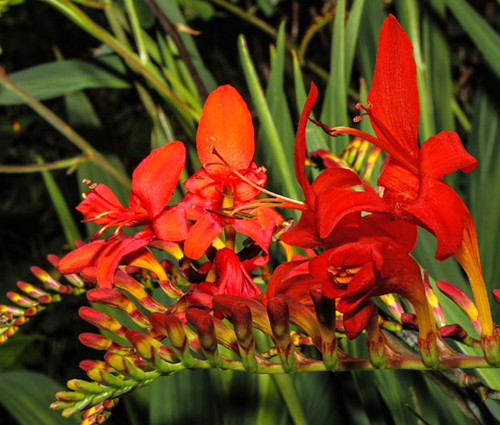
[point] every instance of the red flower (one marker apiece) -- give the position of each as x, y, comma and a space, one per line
412, 176
231, 278
365, 257
225, 144
153, 182
330, 197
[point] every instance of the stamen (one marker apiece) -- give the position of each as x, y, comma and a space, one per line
91, 185
286, 201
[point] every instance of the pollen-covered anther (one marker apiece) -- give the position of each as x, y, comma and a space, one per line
360, 107
91, 185
342, 275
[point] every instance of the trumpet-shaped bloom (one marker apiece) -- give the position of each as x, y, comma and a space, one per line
232, 278
225, 145
412, 177
365, 257
153, 182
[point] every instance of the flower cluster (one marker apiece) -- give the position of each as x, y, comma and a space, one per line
348, 265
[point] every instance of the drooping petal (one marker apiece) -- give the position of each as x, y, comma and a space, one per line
85, 256
154, 179
279, 276
227, 125
260, 230
401, 184
357, 320
443, 154
98, 201
171, 224
392, 103
334, 204
304, 234
468, 256
300, 146
114, 251
439, 209
201, 235
233, 278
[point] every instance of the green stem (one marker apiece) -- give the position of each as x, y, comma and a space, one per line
137, 31
64, 129
69, 163
460, 114
148, 71
287, 390
269, 30
170, 28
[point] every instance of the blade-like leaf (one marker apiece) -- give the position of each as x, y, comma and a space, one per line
63, 213
27, 396
486, 39
275, 96
62, 77
334, 111
282, 172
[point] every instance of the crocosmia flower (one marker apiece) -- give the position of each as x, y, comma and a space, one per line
153, 182
412, 176
225, 145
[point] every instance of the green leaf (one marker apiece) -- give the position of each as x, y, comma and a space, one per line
486, 39
276, 98
11, 350
27, 396
351, 35
484, 185
62, 77
172, 400
334, 111
282, 172
63, 213
371, 21
437, 58
171, 9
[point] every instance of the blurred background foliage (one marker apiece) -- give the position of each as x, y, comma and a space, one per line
131, 75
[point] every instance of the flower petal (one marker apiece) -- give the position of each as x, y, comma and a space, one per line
260, 230
443, 154
115, 251
227, 125
300, 146
441, 211
154, 179
85, 256
201, 235
334, 204
357, 320
171, 224
233, 278
392, 103
100, 200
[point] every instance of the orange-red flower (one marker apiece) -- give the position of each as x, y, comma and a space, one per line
412, 177
413, 188
153, 182
225, 145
